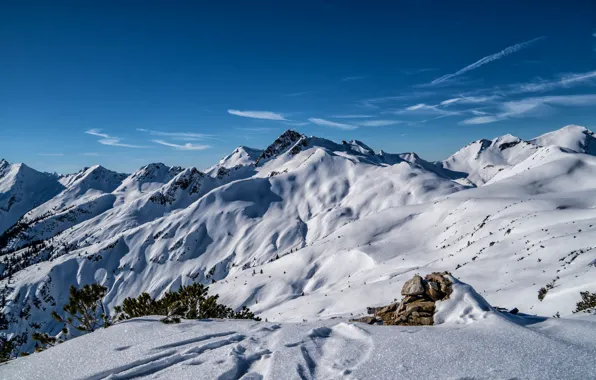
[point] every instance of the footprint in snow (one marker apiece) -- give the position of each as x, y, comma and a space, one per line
334, 352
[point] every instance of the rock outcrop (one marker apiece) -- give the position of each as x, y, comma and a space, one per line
417, 307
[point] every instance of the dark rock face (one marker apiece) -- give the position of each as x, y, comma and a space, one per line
417, 308
283, 142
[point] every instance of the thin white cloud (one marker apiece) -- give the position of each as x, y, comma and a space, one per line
424, 109
489, 58
350, 79
116, 142
532, 107
378, 123
300, 93
91, 154
469, 100
374, 103
352, 116
417, 71
110, 140
327, 123
265, 115
187, 146
564, 81
97, 132
449, 101
297, 123
51, 154
257, 129
481, 120
185, 136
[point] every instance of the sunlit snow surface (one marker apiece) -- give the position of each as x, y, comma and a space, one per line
321, 230
471, 341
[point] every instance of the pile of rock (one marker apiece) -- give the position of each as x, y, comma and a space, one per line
417, 307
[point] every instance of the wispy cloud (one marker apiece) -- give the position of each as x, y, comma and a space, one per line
110, 140
257, 129
187, 146
297, 123
373, 103
489, 58
51, 154
266, 115
563, 81
184, 136
300, 93
532, 107
469, 100
353, 116
481, 120
423, 109
417, 71
97, 132
332, 124
350, 79
378, 123
91, 154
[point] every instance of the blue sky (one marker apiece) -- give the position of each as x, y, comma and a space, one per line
126, 83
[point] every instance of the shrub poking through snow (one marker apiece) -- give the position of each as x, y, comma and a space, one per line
587, 304
44, 341
85, 310
189, 302
6, 349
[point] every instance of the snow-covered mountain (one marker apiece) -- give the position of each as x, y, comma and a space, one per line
574, 137
482, 160
22, 189
334, 227
145, 180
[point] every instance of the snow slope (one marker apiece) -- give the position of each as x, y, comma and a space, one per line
22, 189
314, 229
471, 341
145, 180
483, 159
574, 137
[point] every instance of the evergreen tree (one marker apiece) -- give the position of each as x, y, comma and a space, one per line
85, 310
587, 304
45, 341
6, 348
189, 302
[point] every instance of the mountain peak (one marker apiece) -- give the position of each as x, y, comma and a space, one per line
574, 137
361, 147
282, 143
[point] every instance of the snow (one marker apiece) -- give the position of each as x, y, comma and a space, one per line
574, 137
145, 180
21, 189
494, 347
333, 227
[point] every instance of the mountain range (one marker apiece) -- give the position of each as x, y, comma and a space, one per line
308, 228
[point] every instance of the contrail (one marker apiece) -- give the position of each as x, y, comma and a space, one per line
489, 58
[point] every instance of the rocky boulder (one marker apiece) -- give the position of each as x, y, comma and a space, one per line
417, 307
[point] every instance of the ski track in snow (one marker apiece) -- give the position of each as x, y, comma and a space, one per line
488, 346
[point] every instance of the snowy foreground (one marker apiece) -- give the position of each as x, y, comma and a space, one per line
472, 341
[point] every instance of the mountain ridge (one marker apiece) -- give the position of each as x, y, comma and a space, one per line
300, 208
